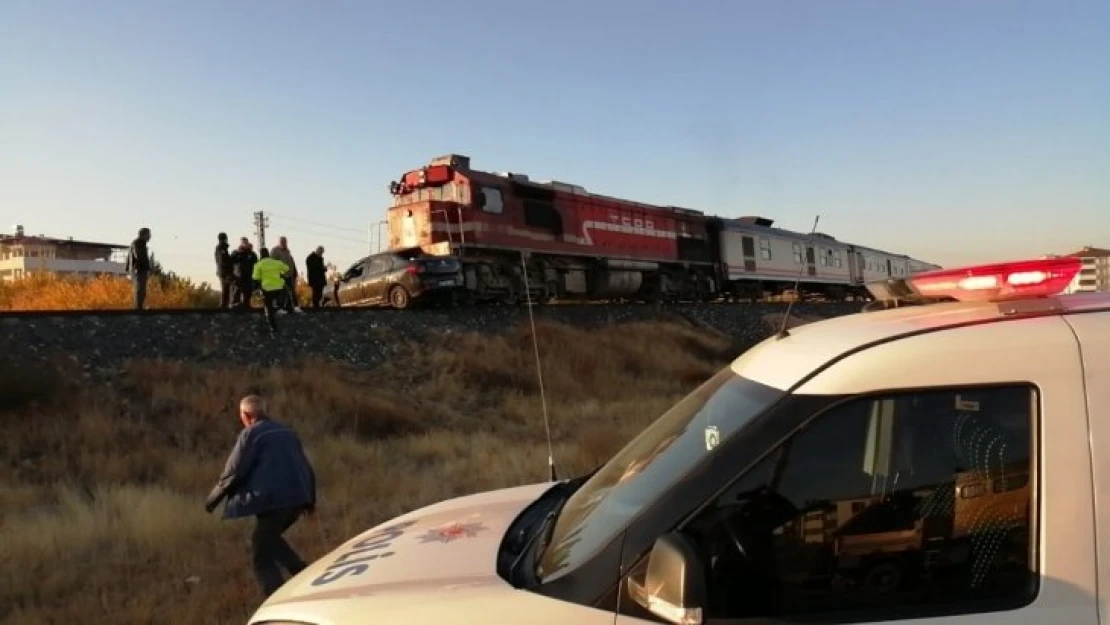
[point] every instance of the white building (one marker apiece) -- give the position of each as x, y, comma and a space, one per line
1095, 274
22, 256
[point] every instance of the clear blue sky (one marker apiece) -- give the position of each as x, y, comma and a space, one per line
953, 130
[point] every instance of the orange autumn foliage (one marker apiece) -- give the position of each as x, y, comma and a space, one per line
105, 292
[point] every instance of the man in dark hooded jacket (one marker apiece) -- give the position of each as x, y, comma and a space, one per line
317, 274
267, 476
242, 263
224, 269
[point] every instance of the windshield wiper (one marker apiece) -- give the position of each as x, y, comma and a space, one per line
548, 521
546, 527
544, 534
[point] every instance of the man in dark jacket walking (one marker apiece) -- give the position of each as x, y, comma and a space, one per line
316, 274
224, 269
266, 476
138, 267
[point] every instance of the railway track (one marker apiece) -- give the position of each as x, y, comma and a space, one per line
600, 305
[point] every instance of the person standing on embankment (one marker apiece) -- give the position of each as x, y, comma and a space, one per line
224, 269
317, 274
243, 260
138, 267
281, 252
270, 274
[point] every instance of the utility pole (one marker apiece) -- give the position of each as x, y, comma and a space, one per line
384, 222
261, 222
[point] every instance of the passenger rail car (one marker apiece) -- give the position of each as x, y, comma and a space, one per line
757, 258
558, 241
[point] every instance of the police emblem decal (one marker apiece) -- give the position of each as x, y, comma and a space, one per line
451, 532
712, 437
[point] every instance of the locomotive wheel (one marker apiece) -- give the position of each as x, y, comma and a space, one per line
399, 297
883, 578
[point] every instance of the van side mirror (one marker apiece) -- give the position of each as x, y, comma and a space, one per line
674, 586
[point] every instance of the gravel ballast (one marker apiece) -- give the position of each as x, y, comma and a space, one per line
361, 338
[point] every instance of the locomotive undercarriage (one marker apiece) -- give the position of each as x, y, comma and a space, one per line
493, 276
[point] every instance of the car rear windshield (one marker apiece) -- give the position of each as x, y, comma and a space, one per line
438, 264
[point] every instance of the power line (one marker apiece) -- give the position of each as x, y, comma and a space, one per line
329, 235
318, 223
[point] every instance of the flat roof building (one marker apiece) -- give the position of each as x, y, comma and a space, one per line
1095, 274
22, 255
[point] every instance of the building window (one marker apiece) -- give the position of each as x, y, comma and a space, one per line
928, 493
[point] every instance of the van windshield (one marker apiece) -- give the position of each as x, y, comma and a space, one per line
649, 465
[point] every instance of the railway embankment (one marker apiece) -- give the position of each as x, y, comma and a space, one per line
362, 338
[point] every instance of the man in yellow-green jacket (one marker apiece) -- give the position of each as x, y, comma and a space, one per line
269, 274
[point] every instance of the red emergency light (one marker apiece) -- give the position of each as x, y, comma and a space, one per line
1003, 281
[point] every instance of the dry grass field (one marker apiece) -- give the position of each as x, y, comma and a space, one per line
101, 499
107, 292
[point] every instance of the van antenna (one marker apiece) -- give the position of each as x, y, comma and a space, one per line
783, 332
539, 372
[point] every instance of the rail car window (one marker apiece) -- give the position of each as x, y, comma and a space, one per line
765, 249
798, 254
901, 505
491, 200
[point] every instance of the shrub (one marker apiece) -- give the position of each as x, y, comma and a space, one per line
109, 292
104, 292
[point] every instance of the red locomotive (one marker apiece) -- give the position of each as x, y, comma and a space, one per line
578, 245
574, 244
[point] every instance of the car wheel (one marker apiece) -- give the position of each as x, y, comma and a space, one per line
398, 297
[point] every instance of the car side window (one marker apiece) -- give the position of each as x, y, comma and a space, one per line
379, 265
355, 271
893, 506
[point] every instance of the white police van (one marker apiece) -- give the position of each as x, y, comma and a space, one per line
945, 459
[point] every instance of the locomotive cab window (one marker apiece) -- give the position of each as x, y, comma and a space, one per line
489, 200
887, 507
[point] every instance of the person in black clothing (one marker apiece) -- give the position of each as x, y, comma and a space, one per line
317, 274
224, 270
242, 264
138, 266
